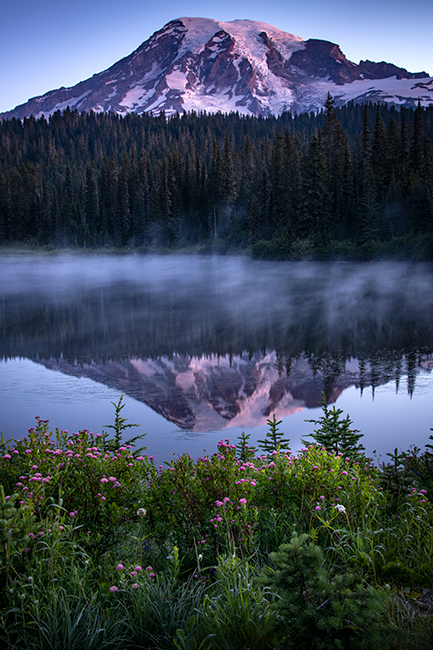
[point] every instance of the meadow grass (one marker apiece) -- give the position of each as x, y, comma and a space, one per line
243, 548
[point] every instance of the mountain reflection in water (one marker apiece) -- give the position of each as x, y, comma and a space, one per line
213, 393
211, 342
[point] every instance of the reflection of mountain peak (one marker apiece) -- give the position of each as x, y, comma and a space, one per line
213, 393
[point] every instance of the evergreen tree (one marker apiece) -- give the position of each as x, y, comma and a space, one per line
123, 209
379, 156
417, 142
315, 220
329, 127
404, 150
335, 433
367, 204
91, 211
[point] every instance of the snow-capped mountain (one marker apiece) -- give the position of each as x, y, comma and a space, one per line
246, 66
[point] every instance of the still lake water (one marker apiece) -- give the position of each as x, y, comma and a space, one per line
205, 347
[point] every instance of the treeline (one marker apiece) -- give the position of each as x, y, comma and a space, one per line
352, 182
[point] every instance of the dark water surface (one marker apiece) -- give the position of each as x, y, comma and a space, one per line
206, 347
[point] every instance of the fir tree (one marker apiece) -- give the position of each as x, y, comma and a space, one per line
335, 433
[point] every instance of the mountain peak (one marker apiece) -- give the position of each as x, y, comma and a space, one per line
242, 65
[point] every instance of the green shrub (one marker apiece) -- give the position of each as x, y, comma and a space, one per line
320, 611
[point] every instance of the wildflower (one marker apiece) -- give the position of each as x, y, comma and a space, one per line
141, 512
318, 508
340, 508
134, 586
113, 589
218, 503
138, 568
243, 502
119, 567
72, 514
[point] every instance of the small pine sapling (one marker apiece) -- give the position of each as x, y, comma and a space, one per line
274, 440
335, 433
243, 450
319, 610
119, 426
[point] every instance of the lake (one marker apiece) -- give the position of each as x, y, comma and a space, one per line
205, 347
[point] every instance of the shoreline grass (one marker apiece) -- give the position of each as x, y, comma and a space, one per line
243, 548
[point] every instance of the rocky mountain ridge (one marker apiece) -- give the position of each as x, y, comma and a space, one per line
246, 66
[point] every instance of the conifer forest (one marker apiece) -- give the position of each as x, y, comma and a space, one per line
348, 183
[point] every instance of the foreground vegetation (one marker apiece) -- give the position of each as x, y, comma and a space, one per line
242, 549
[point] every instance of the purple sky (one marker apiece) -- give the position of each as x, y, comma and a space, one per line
48, 44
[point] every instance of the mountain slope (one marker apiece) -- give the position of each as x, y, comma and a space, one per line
243, 65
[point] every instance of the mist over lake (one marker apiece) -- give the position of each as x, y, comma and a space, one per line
205, 347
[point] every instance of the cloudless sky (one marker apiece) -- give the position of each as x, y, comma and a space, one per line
50, 43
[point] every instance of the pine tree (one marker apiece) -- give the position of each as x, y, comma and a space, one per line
274, 441
216, 181
379, 157
335, 433
404, 150
315, 220
279, 196
91, 211
367, 204
329, 127
123, 209
417, 142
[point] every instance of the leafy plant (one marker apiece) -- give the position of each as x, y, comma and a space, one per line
237, 611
